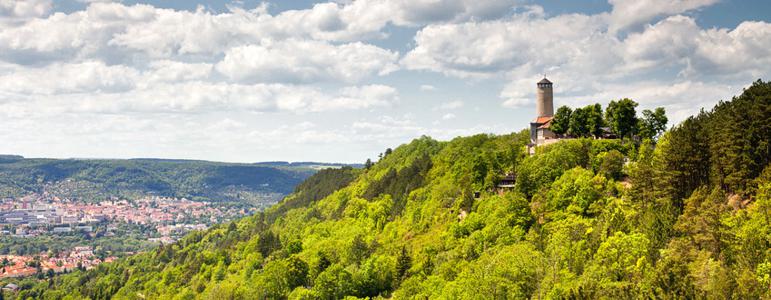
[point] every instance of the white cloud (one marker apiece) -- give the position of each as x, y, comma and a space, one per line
117, 59
96, 77
516, 102
419, 12
366, 18
451, 105
16, 10
115, 31
427, 87
98, 1
174, 71
526, 41
678, 40
76, 36
90, 76
306, 61
388, 131
196, 97
120, 32
387, 128
361, 97
747, 48
226, 124
670, 41
628, 13
315, 136
332, 21
448, 116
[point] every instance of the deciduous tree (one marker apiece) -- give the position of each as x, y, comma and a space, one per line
561, 121
622, 117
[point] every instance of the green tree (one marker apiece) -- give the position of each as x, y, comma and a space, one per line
403, 263
622, 117
368, 164
594, 119
612, 164
619, 263
321, 264
268, 242
682, 161
579, 123
561, 121
507, 273
575, 190
653, 123
334, 283
701, 220
296, 272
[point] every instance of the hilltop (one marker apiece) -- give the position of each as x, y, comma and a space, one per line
685, 216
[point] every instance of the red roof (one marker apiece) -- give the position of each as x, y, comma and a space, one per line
543, 120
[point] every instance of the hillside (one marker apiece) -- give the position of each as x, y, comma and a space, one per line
97, 179
686, 217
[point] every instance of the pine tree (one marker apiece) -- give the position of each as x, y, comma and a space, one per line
403, 263
368, 164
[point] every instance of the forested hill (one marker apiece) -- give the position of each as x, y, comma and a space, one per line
97, 179
686, 217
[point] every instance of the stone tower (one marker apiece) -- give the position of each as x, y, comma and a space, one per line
544, 105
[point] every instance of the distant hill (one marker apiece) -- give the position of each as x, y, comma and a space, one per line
96, 179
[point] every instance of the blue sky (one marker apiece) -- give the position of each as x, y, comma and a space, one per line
341, 81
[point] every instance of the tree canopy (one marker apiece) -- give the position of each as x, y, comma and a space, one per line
622, 117
561, 121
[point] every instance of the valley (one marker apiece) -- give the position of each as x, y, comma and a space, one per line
63, 215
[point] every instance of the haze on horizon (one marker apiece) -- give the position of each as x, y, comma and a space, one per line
340, 81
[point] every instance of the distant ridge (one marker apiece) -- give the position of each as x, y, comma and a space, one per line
306, 163
90, 179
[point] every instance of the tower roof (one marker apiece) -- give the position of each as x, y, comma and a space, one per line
544, 80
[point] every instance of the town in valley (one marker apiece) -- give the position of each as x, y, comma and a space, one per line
83, 231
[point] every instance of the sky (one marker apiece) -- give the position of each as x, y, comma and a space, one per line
340, 81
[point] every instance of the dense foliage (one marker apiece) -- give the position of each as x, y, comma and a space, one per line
688, 217
98, 179
620, 119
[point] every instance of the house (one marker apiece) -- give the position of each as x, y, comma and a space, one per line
506, 183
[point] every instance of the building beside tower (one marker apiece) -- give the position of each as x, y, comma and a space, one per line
540, 134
